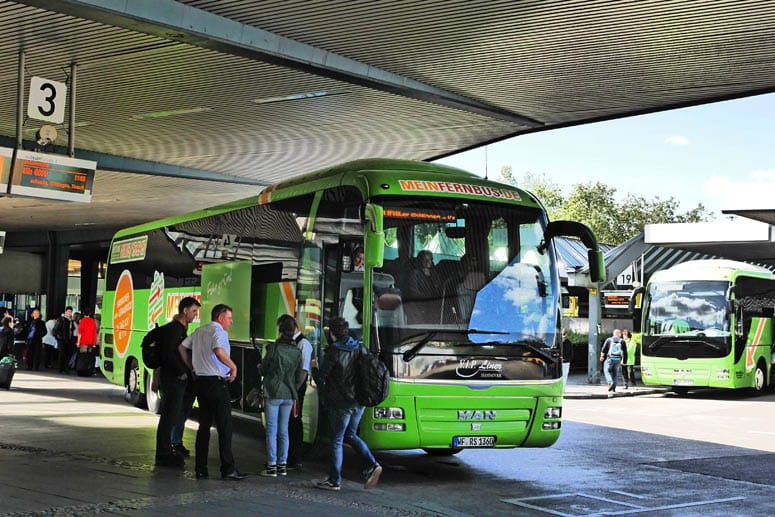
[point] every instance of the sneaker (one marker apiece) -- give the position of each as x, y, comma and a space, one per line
234, 475
327, 485
372, 476
281, 469
270, 471
180, 449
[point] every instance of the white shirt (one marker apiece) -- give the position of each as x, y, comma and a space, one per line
306, 351
202, 344
49, 338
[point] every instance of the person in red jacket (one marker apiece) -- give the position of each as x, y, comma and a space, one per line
87, 331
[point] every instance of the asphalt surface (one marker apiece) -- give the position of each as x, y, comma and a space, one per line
72, 446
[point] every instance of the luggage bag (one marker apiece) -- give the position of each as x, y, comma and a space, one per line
6, 375
84, 364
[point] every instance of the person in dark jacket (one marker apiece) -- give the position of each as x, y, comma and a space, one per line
35, 333
64, 332
283, 374
173, 376
6, 336
337, 377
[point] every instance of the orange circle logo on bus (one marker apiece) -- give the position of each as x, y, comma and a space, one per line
122, 312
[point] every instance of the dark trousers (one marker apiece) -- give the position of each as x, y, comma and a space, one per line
188, 403
172, 392
66, 349
628, 372
49, 355
34, 354
296, 431
214, 406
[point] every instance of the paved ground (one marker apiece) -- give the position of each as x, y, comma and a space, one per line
71, 446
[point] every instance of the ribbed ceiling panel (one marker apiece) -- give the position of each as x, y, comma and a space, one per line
557, 62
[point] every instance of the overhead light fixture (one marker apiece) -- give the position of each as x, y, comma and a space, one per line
168, 113
298, 97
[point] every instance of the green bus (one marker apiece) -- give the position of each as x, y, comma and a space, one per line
473, 356
708, 324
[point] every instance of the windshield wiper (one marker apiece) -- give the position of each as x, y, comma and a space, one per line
659, 342
412, 352
548, 357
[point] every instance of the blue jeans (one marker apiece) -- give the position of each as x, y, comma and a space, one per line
344, 428
612, 370
278, 411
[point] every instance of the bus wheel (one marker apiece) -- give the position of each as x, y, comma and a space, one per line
132, 385
442, 452
760, 378
152, 398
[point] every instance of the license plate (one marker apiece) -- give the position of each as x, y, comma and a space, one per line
473, 441
683, 382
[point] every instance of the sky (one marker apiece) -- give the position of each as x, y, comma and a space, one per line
721, 155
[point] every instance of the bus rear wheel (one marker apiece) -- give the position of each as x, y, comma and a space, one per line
443, 452
760, 378
152, 398
132, 380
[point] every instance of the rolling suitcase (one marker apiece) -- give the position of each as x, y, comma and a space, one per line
84, 364
7, 369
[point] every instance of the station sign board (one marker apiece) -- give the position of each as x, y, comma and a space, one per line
45, 175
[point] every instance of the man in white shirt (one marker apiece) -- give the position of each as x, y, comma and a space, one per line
210, 362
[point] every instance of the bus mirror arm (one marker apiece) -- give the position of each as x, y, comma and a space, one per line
581, 231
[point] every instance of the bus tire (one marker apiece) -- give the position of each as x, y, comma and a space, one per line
760, 378
442, 452
132, 380
152, 398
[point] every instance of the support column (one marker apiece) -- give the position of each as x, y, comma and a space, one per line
56, 275
594, 367
89, 267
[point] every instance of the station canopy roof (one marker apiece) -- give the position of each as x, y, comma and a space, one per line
193, 103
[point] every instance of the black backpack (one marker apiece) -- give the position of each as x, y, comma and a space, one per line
372, 379
151, 352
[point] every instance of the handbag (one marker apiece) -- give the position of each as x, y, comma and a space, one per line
254, 400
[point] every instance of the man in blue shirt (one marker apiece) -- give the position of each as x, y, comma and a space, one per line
210, 361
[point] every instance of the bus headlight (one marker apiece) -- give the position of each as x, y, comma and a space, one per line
389, 427
393, 413
553, 412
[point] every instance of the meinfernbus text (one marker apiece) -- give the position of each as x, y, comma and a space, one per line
471, 342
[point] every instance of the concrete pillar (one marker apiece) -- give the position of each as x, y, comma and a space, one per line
57, 256
89, 267
594, 367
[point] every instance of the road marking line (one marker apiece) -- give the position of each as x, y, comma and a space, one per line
633, 508
627, 494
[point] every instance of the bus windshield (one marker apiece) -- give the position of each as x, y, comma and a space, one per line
464, 274
687, 308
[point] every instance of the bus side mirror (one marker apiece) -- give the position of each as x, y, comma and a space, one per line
636, 308
375, 237
596, 266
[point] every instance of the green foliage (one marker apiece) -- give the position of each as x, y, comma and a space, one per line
612, 219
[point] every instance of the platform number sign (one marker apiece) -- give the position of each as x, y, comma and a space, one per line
47, 100
626, 277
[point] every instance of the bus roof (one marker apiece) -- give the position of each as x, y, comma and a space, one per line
713, 269
374, 176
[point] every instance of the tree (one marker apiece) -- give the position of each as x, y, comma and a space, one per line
548, 192
612, 220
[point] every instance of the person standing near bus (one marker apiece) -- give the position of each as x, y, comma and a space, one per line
35, 333
282, 373
567, 356
214, 369
64, 331
628, 360
337, 376
295, 425
173, 378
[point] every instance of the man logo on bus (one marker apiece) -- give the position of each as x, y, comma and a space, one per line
487, 414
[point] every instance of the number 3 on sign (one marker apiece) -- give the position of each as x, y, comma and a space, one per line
47, 100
